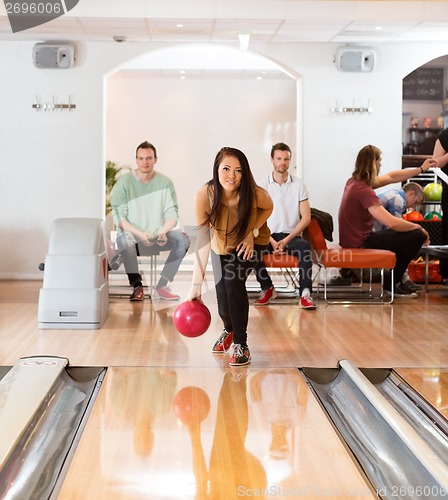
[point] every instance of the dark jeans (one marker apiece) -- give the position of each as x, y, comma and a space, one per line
444, 207
230, 273
301, 249
177, 244
405, 245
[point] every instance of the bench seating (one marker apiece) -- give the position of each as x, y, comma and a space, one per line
350, 258
288, 264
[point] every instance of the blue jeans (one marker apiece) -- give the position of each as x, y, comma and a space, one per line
230, 273
301, 249
177, 244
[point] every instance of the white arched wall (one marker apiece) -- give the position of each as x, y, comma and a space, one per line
189, 120
52, 163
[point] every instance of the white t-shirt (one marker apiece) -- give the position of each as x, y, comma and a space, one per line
286, 198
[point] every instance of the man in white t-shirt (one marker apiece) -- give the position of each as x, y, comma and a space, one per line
291, 215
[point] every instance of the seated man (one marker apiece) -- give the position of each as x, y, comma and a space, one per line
144, 206
397, 202
291, 215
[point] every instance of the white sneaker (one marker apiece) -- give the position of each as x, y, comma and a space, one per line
164, 293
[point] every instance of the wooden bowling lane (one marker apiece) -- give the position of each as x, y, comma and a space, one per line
431, 383
209, 434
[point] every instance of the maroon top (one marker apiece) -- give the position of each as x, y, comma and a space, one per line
355, 221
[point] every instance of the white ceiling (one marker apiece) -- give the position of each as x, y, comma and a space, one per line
267, 21
221, 21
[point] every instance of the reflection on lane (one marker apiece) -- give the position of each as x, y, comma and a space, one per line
198, 433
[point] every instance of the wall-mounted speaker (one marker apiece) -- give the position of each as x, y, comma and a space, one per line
52, 55
361, 59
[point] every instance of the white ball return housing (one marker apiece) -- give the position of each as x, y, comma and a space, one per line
75, 292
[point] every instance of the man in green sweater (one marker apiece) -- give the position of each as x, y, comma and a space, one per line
145, 211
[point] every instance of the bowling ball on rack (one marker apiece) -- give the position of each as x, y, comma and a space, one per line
192, 318
433, 216
191, 405
414, 216
433, 191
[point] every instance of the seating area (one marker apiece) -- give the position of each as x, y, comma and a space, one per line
350, 258
287, 265
335, 257
285, 268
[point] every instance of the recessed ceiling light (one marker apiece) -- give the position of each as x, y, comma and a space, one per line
378, 28
179, 25
259, 78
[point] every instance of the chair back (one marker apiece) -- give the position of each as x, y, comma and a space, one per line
316, 235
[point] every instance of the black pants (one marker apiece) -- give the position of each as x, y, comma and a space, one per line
301, 249
444, 207
230, 273
405, 245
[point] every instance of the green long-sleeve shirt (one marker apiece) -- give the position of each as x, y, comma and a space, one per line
145, 206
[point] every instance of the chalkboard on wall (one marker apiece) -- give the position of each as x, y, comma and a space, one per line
424, 84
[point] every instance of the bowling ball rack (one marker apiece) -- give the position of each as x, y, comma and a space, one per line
434, 228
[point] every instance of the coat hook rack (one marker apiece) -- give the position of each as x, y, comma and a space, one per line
353, 109
54, 105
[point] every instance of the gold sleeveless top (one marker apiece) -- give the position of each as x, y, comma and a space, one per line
222, 243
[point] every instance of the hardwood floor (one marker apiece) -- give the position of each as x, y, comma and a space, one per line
409, 333
174, 421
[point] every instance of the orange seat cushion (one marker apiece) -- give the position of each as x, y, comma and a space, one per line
357, 258
281, 260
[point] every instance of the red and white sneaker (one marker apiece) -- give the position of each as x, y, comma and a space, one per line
265, 297
241, 355
164, 293
138, 294
223, 343
307, 302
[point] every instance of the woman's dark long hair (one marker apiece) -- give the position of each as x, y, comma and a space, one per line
246, 193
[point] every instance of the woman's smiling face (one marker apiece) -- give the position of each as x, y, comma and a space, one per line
230, 173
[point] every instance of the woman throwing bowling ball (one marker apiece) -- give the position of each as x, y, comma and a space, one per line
231, 214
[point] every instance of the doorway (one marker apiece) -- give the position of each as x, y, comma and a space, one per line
425, 106
191, 101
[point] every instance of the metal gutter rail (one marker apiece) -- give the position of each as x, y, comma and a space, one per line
43, 403
402, 451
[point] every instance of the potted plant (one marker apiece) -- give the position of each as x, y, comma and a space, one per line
113, 172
